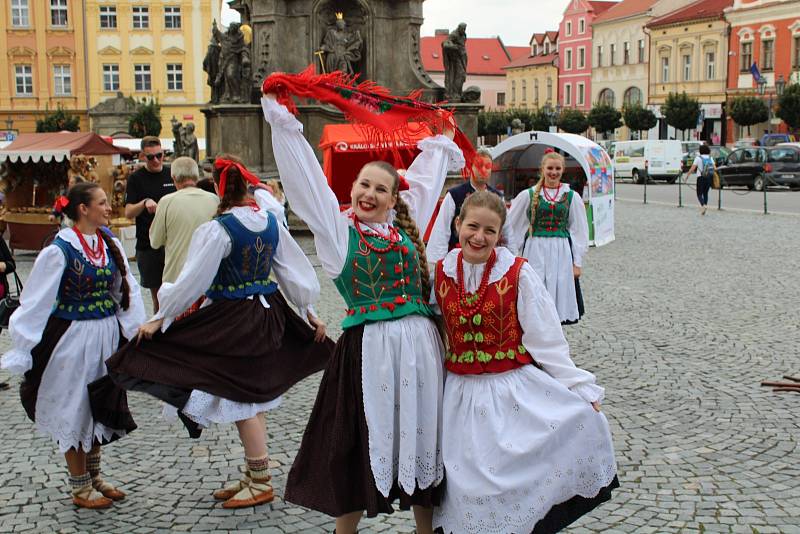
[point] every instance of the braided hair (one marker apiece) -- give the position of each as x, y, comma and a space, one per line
405, 222
537, 189
83, 193
235, 192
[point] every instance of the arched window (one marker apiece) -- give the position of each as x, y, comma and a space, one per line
633, 95
513, 91
606, 97
524, 90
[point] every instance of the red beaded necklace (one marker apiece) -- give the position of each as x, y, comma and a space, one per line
393, 238
465, 308
554, 197
93, 254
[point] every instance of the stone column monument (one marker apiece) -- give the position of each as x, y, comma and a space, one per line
376, 39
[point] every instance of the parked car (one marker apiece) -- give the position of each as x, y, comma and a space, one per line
719, 153
775, 138
758, 167
656, 158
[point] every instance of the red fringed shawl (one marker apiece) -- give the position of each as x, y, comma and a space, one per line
383, 118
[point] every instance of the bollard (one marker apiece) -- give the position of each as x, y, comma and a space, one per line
719, 198
680, 192
765, 195
646, 177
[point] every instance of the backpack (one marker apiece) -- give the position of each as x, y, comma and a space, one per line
708, 167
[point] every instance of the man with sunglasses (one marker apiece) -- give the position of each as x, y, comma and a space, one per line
145, 188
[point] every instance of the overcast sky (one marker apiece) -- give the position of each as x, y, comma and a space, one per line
513, 20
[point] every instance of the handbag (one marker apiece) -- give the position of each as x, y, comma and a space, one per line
715, 183
10, 303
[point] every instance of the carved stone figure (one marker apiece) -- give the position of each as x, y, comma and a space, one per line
211, 65
342, 47
234, 64
471, 94
185, 141
454, 56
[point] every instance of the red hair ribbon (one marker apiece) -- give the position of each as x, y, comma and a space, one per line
224, 165
549, 150
403, 184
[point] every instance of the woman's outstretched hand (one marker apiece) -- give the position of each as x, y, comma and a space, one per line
319, 327
147, 330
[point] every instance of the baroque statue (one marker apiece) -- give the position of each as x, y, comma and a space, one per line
342, 47
211, 65
230, 66
185, 143
454, 57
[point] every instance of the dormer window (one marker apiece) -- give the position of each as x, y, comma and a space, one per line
535, 50
546, 47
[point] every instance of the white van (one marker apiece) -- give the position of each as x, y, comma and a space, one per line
661, 158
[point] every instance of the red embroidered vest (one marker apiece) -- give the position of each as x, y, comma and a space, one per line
490, 340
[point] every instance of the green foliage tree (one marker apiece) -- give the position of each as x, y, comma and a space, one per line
57, 121
604, 119
573, 121
491, 123
681, 111
540, 120
146, 119
789, 106
748, 110
639, 118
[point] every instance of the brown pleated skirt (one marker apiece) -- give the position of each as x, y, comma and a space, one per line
332, 473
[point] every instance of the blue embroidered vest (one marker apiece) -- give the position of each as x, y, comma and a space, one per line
245, 271
85, 290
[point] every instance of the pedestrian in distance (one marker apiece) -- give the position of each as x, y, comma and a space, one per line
524, 445
232, 359
79, 303
704, 167
7, 266
378, 409
548, 227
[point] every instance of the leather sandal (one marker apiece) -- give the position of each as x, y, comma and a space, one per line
88, 497
257, 491
107, 489
223, 494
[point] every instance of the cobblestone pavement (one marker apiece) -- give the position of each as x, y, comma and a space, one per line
686, 315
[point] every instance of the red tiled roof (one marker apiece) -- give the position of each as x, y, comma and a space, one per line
553, 36
600, 7
537, 38
626, 8
485, 55
532, 61
701, 10
517, 52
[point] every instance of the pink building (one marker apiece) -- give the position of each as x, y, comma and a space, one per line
575, 53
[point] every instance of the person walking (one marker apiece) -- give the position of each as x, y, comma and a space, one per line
146, 186
179, 214
704, 167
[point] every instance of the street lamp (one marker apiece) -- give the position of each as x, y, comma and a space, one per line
780, 85
9, 123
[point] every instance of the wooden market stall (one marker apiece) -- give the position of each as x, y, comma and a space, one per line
35, 169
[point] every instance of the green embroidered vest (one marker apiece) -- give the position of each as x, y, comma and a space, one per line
552, 218
380, 286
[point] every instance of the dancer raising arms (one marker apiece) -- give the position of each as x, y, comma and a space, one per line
524, 447
549, 229
374, 432
79, 296
232, 359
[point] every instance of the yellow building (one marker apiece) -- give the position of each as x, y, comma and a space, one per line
151, 49
42, 62
689, 53
532, 82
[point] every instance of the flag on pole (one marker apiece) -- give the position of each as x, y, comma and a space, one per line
755, 72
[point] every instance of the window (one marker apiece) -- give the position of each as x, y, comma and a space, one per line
108, 17
524, 90
581, 26
782, 155
626, 53
567, 94
547, 48
141, 17
767, 55
174, 77
501, 99
111, 77
641, 50
796, 53
58, 13
513, 91
581, 58
632, 96
569, 28
549, 89
536, 91
711, 72
581, 96
747, 56
664, 70
612, 54
599, 56
568, 60
687, 67
20, 14
172, 17
23, 76
535, 49
606, 97
62, 80
141, 77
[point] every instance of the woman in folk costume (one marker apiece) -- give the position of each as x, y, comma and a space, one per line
231, 360
78, 298
374, 432
524, 445
549, 229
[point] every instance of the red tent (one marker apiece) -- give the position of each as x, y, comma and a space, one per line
345, 151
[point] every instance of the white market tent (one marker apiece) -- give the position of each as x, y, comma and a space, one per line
517, 159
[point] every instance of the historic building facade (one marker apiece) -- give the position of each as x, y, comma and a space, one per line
688, 53
532, 81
